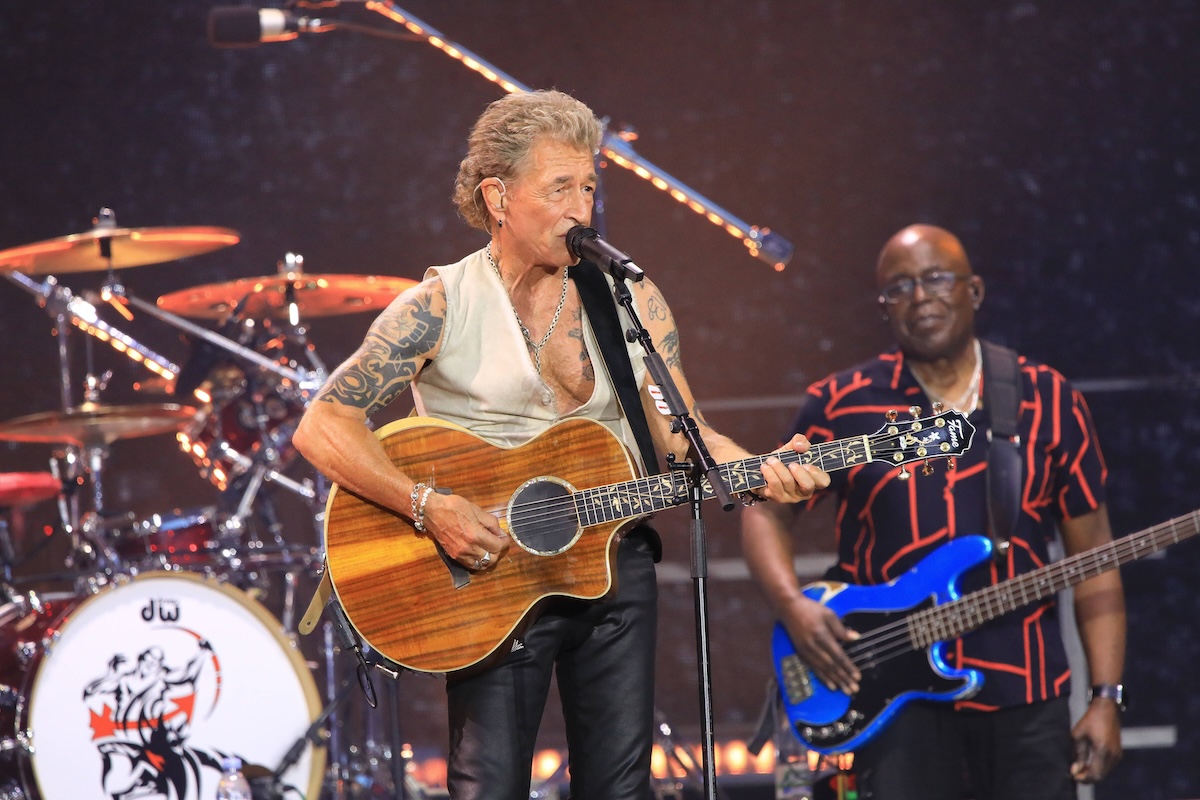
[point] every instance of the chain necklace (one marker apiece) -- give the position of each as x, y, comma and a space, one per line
562, 301
972, 393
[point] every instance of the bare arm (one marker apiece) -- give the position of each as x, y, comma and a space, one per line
334, 437
815, 631
1100, 615
784, 483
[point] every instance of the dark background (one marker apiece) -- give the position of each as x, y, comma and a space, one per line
1059, 140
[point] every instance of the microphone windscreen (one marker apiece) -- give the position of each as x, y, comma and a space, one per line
575, 238
234, 26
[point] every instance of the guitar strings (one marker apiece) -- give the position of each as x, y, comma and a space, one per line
545, 521
552, 511
896, 640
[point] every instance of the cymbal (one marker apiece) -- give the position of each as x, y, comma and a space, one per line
21, 489
316, 295
92, 423
128, 247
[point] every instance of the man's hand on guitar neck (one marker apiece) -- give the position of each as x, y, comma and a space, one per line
467, 533
792, 483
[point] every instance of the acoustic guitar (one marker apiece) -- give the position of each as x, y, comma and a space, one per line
564, 498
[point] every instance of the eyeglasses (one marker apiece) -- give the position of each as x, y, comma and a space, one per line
940, 284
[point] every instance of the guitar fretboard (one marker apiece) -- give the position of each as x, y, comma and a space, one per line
953, 619
941, 436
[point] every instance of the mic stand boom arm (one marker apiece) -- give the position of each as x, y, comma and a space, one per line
760, 241
703, 468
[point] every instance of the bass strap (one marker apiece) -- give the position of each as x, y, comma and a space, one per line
1002, 399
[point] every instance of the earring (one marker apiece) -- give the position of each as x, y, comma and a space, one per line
500, 224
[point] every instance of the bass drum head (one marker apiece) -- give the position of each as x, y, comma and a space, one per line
146, 687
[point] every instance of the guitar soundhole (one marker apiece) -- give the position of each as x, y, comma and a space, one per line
542, 517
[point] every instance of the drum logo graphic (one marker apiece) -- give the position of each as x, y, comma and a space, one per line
139, 693
147, 707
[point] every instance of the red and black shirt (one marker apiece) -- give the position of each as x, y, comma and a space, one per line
886, 525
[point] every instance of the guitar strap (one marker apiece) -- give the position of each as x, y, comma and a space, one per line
597, 298
1002, 399
601, 309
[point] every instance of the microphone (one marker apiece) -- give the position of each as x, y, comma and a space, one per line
245, 26
585, 242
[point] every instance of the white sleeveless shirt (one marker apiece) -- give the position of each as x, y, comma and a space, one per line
483, 377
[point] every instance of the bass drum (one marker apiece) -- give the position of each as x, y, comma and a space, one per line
142, 690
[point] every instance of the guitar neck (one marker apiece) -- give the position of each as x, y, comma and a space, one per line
643, 496
951, 620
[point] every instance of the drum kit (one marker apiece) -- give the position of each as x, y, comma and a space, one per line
158, 657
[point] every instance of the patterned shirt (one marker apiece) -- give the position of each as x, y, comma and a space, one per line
885, 525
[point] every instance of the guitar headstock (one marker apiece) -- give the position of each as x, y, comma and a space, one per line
942, 435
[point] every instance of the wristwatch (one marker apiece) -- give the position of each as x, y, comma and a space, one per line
1109, 691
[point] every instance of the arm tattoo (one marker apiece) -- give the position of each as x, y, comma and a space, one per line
656, 306
585, 360
389, 357
669, 347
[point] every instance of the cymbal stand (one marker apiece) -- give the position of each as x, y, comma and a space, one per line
305, 381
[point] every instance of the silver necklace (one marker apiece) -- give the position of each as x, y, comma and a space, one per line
972, 393
562, 301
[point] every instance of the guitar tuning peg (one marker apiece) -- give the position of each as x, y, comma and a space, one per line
927, 468
904, 473
915, 411
951, 463
937, 406
891, 415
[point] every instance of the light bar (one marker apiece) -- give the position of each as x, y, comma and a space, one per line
761, 242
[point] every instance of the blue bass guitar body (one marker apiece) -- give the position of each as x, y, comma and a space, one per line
895, 671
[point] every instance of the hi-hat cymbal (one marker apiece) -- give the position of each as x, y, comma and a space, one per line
95, 424
20, 489
315, 295
102, 247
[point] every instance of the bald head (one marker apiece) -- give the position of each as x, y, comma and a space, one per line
927, 245
928, 293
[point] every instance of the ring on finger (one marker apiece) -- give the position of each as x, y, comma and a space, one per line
487, 558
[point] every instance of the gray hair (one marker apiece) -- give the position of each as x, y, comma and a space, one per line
504, 134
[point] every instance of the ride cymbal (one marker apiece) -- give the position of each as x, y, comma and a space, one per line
269, 296
102, 247
93, 424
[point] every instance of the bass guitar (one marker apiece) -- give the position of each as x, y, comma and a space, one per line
905, 623
564, 498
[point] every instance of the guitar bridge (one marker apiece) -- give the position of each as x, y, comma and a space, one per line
797, 680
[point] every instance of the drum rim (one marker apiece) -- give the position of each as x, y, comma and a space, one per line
268, 620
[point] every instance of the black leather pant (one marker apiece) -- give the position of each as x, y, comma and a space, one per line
1020, 753
603, 656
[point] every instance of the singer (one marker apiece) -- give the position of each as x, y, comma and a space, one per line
503, 344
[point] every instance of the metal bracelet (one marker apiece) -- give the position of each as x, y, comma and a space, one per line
418, 513
419, 524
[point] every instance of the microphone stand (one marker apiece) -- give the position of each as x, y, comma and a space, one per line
702, 468
271, 787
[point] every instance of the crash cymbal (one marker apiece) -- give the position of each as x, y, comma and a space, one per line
128, 247
316, 295
95, 424
19, 489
